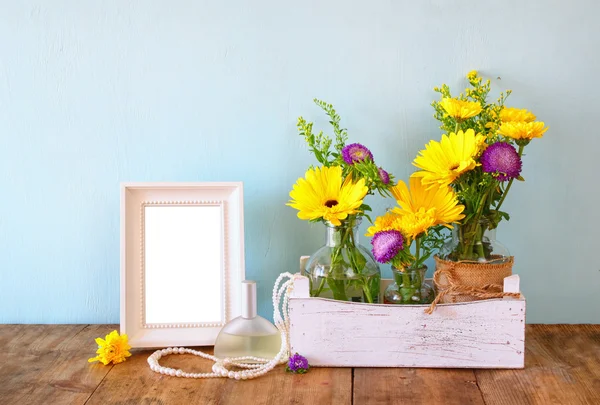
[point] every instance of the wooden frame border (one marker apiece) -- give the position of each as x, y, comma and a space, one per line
134, 198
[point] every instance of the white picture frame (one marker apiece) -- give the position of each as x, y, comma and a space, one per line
153, 216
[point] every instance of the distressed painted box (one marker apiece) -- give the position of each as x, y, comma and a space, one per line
479, 334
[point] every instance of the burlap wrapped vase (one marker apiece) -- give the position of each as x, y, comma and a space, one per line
470, 281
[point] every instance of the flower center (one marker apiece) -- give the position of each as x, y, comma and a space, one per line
331, 203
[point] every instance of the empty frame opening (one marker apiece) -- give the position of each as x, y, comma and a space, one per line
183, 267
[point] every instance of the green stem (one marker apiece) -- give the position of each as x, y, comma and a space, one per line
365, 285
338, 286
474, 232
410, 282
418, 251
333, 284
510, 182
320, 288
480, 231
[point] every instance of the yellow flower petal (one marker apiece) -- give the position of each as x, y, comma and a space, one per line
113, 348
442, 162
511, 114
324, 194
460, 109
419, 209
440, 202
522, 130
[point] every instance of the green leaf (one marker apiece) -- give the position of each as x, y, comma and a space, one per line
359, 259
365, 207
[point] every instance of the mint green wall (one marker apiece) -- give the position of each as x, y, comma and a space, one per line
93, 93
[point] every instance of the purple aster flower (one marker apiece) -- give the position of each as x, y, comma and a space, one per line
355, 152
297, 364
502, 160
384, 176
386, 245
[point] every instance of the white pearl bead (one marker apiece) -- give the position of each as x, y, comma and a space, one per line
172, 372
224, 373
230, 374
181, 350
179, 373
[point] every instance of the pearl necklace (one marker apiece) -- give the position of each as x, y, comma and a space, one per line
261, 366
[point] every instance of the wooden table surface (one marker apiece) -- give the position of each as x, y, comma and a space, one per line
47, 364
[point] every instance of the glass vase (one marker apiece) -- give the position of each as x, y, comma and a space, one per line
343, 269
409, 287
474, 241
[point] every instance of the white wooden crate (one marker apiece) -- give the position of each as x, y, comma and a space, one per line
479, 334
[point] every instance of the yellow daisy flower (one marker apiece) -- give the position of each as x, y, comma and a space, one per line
321, 194
438, 204
442, 162
414, 224
384, 223
113, 348
516, 114
460, 110
522, 130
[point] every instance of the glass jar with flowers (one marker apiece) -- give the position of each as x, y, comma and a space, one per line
333, 193
409, 234
479, 157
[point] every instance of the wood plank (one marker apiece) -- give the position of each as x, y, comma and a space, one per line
133, 382
48, 363
375, 386
561, 367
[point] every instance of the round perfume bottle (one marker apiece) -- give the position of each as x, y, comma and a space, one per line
249, 334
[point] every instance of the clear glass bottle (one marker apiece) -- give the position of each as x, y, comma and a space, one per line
409, 287
474, 241
343, 269
249, 334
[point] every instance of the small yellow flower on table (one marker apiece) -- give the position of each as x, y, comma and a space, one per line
113, 348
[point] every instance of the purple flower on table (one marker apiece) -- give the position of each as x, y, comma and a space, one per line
297, 364
355, 152
384, 176
502, 161
386, 245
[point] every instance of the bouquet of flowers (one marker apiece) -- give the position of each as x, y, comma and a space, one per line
333, 193
418, 220
479, 157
